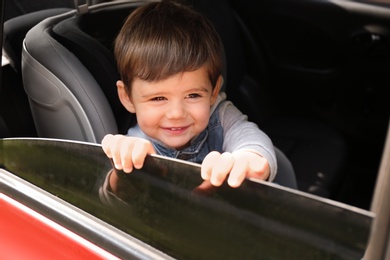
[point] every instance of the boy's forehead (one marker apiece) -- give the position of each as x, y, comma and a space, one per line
200, 74
194, 78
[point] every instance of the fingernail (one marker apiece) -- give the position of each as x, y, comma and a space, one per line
233, 183
128, 169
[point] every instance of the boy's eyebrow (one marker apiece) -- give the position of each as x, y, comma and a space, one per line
201, 89
146, 95
162, 93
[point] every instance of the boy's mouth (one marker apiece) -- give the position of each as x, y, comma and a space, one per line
176, 130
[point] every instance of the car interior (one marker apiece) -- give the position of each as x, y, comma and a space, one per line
60, 83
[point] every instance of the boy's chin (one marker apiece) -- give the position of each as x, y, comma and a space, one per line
178, 145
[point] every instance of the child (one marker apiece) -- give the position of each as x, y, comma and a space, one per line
169, 58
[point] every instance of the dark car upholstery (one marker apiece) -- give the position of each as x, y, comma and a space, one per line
317, 151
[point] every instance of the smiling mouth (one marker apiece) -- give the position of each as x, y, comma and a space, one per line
176, 129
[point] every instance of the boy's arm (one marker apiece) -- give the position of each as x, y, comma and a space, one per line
242, 135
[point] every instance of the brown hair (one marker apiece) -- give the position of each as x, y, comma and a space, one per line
164, 38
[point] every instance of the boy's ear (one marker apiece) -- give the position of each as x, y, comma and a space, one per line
216, 89
124, 97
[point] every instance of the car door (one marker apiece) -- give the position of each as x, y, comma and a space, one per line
161, 211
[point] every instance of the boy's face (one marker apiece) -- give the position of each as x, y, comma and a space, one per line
173, 110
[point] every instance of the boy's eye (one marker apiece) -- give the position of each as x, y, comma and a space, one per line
158, 99
193, 95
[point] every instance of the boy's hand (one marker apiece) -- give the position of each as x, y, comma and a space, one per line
127, 152
238, 165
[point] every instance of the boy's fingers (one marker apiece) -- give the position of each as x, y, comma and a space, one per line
259, 168
106, 145
221, 168
110, 145
238, 173
125, 152
140, 150
115, 151
240, 169
208, 163
249, 165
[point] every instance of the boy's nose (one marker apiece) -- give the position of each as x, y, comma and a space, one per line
176, 110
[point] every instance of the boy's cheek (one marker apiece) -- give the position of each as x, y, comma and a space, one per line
147, 121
